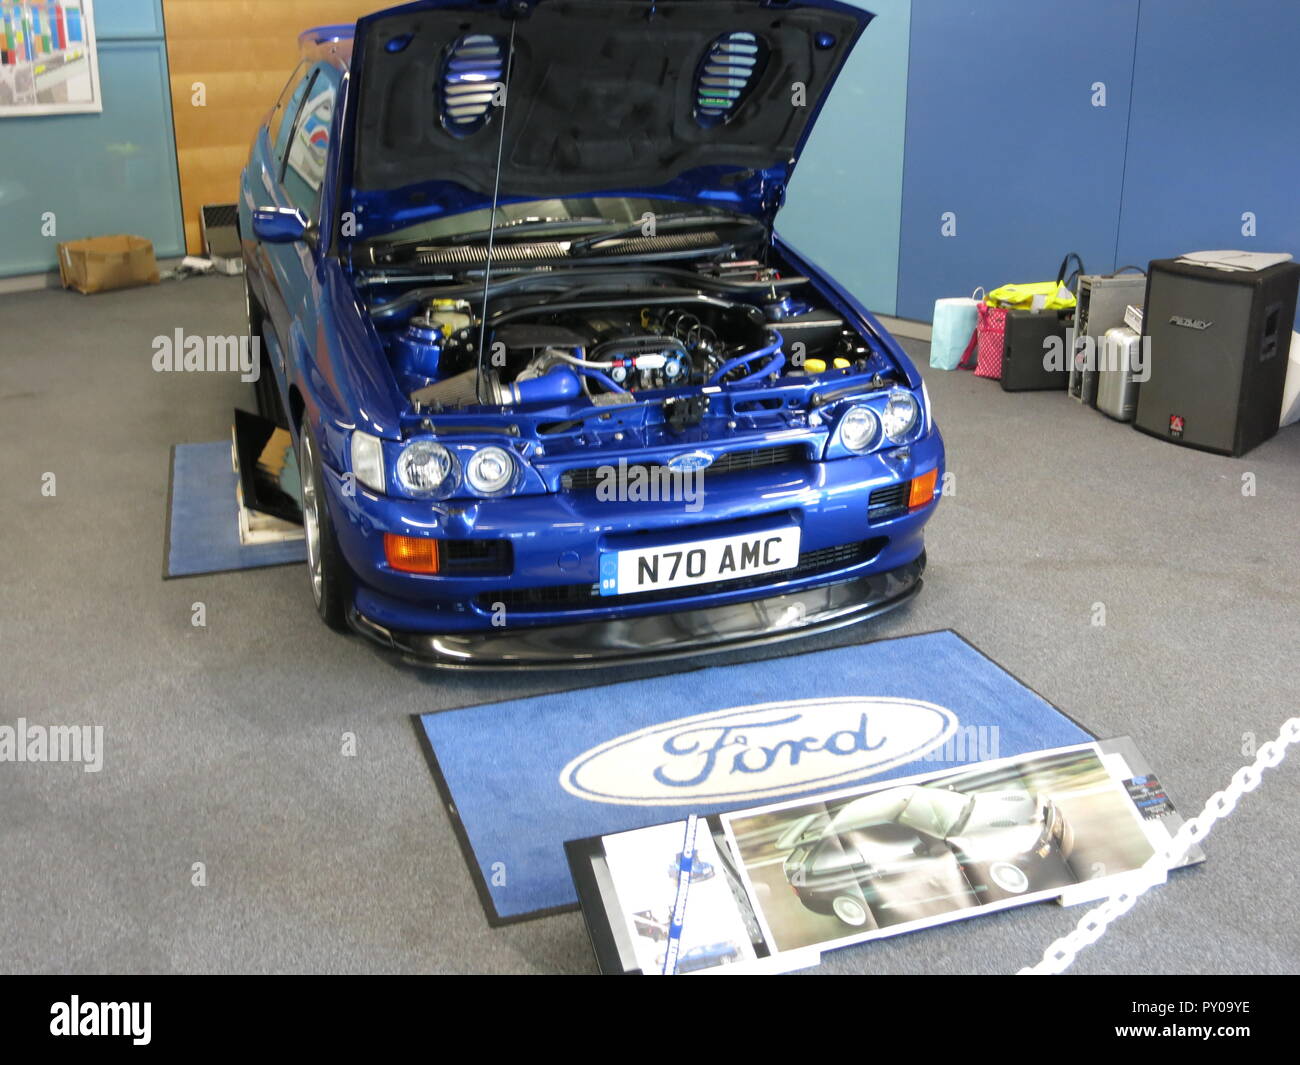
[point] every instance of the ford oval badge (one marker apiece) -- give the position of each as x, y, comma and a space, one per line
690, 462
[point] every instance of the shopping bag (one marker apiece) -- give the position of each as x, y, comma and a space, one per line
991, 336
1041, 295
955, 322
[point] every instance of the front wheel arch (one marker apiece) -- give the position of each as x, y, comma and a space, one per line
327, 569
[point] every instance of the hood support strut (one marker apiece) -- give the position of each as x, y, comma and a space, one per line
492, 226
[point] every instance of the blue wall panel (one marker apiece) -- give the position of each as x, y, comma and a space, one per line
1002, 132
843, 205
129, 18
1215, 129
113, 172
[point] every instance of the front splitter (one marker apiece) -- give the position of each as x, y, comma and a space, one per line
657, 637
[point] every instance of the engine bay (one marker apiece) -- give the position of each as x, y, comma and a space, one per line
616, 337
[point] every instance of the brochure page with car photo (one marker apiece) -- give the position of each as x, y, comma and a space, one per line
861, 865
770, 888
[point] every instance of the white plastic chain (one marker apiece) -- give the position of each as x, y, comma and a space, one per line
1092, 926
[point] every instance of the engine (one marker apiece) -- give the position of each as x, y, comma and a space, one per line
610, 349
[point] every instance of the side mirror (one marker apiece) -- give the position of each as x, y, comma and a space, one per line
281, 225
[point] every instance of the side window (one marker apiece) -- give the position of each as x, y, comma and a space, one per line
309, 143
833, 855
286, 110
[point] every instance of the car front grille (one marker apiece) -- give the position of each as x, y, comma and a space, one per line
888, 502
579, 596
586, 478
475, 558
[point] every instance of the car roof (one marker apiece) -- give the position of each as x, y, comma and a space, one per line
328, 44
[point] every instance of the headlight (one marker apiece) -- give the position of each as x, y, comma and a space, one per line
426, 469
929, 410
490, 470
859, 428
368, 460
900, 416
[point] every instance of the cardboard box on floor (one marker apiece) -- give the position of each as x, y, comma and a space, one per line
99, 264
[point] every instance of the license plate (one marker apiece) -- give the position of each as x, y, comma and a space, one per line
647, 569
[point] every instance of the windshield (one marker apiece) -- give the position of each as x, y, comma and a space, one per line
534, 218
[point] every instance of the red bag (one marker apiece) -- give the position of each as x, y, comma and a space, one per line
991, 332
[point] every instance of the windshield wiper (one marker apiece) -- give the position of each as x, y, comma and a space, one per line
376, 253
379, 251
682, 220
685, 220
522, 225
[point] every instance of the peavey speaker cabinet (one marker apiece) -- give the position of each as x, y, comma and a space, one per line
1219, 343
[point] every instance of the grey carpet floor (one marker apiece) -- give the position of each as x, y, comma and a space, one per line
224, 743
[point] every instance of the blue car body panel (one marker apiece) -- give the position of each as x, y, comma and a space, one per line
331, 372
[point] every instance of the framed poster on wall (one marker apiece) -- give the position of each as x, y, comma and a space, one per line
48, 64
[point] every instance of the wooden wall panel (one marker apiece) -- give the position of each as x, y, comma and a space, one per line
243, 52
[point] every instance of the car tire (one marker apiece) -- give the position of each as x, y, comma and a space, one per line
265, 389
327, 572
851, 911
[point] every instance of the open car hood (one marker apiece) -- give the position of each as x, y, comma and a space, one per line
706, 101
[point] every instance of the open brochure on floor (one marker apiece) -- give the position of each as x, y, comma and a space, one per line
771, 887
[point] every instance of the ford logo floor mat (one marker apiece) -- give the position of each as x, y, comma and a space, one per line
521, 777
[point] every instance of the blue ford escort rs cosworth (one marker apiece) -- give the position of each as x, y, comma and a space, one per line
560, 395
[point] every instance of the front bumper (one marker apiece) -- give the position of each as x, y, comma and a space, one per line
656, 637
557, 541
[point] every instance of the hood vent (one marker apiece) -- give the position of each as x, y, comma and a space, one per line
473, 70
728, 71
